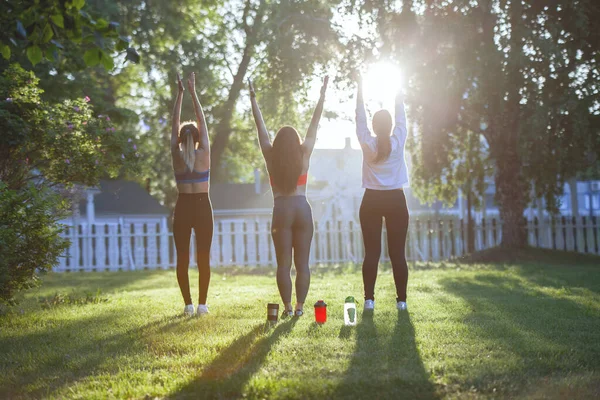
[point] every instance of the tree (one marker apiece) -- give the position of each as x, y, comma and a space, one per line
51, 142
294, 38
280, 44
53, 30
520, 74
45, 148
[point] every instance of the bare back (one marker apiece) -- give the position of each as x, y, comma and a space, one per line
201, 164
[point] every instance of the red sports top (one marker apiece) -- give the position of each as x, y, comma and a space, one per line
302, 179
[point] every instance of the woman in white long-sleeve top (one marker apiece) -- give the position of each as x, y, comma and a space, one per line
384, 175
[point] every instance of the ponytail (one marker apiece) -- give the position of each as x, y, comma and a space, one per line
382, 126
189, 153
188, 136
384, 148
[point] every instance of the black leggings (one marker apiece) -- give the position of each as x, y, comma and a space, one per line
292, 227
391, 205
193, 210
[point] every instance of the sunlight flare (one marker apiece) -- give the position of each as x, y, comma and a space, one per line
381, 82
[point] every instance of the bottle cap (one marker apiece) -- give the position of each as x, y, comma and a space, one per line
320, 303
350, 299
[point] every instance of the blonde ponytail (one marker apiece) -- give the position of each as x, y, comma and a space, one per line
189, 151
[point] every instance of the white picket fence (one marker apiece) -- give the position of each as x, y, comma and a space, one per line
130, 246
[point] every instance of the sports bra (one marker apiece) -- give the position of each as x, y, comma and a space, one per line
302, 179
192, 176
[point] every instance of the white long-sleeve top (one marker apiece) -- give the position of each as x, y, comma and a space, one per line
391, 173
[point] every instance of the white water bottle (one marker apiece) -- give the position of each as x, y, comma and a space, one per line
350, 311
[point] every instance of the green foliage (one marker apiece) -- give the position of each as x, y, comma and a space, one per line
48, 30
34, 54
64, 142
45, 148
30, 240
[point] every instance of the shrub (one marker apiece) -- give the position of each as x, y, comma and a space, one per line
46, 148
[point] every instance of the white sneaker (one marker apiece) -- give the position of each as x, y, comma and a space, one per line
202, 309
369, 305
401, 306
188, 311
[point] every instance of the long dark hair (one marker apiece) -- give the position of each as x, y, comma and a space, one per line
286, 160
382, 126
188, 137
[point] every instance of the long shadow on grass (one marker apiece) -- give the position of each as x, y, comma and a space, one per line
107, 282
545, 267
47, 360
517, 319
227, 374
385, 365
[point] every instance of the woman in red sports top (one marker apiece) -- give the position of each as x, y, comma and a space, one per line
287, 162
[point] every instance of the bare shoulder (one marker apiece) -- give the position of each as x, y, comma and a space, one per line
266, 151
202, 159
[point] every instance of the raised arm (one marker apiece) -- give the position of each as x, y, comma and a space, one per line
311, 134
176, 116
400, 128
263, 135
200, 120
362, 129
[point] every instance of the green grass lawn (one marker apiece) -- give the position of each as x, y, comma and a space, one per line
519, 330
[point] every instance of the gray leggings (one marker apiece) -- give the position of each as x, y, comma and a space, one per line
292, 227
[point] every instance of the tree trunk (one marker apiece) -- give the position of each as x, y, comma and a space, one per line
223, 130
511, 196
470, 224
225, 114
503, 137
573, 192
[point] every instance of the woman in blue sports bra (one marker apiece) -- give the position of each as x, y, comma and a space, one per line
190, 153
287, 162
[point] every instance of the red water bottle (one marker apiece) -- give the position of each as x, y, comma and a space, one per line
320, 312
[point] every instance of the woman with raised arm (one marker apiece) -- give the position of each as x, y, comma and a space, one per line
384, 175
190, 153
287, 161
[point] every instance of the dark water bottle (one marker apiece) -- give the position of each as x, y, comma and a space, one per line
272, 312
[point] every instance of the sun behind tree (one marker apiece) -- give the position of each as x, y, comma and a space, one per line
381, 82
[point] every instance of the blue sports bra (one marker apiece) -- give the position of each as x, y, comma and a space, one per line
192, 176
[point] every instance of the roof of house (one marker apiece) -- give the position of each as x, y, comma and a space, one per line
123, 198
239, 196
